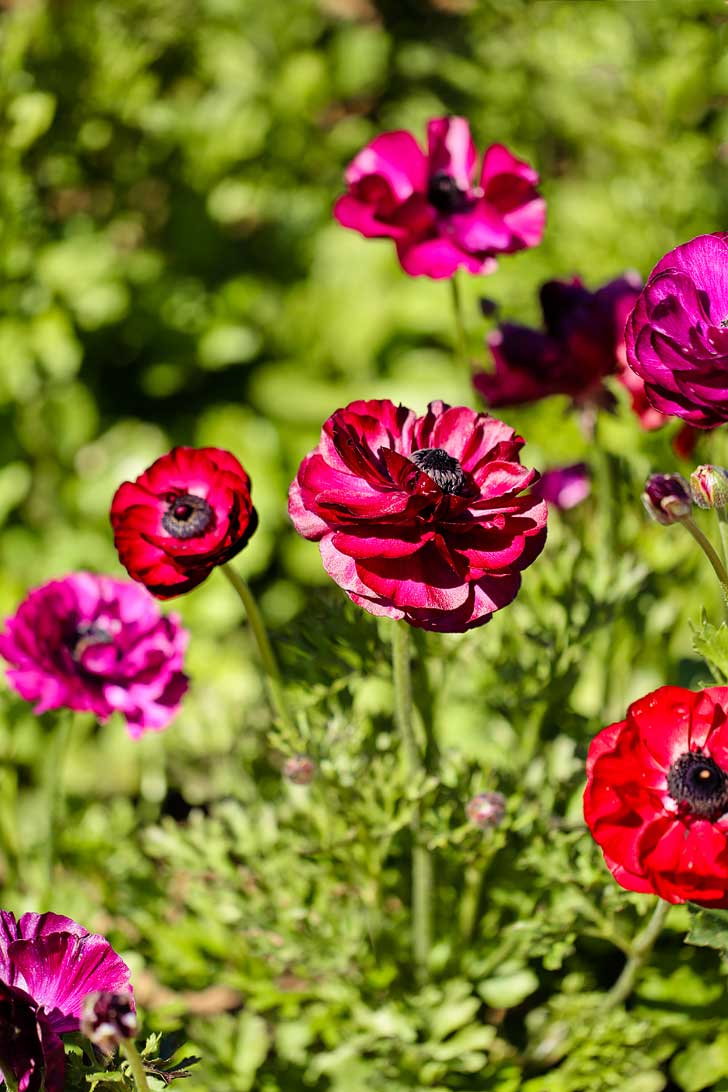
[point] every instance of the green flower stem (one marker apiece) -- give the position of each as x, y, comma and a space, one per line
135, 1065
722, 514
265, 650
421, 860
710, 552
11, 1084
461, 337
55, 795
640, 952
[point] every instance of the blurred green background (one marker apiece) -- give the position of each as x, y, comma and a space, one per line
171, 273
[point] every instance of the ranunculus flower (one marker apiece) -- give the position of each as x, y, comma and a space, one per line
581, 343
564, 486
667, 498
656, 799
677, 340
97, 645
432, 207
420, 518
48, 964
190, 511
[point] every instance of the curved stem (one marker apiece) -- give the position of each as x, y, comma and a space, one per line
55, 795
640, 953
710, 552
7, 1074
722, 514
421, 860
265, 649
135, 1065
461, 337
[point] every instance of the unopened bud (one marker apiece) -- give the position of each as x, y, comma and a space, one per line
300, 769
107, 1018
486, 809
709, 486
667, 498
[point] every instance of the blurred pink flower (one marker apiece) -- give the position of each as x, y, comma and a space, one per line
430, 205
564, 486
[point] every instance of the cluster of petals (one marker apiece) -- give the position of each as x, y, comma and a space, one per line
421, 518
431, 205
656, 800
188, 512
95, 644
581, 343
677, 334
48, 964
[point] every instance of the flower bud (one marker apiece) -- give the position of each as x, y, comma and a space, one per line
486, 809
667, 498
300, 769
107, 1018
709, 486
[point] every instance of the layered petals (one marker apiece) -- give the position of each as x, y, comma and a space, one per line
656, 799
98, 645
440, 214
421, 518
676, 337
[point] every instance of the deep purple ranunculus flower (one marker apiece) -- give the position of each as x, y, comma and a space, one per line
48, 964
677, 334
430, 204
95, 644
421, 518
581, 343
564, 486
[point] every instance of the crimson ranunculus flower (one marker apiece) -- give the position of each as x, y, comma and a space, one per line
656, 799
581, 343
420, 518
677, 340
432, 207
190, 511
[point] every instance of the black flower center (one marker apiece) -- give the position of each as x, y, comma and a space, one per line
87, 635
187, 516
699, 783
444, 469
445, 195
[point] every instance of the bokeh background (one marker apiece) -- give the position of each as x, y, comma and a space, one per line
171, 273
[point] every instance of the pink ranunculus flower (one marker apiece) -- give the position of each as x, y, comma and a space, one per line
420, 518
48, 964
99, 645
677, 334
433, 208
564, 486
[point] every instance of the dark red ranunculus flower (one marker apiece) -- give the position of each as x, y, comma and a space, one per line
581, 343
190, 511
677, 336
431, 205
420, 518
656, 799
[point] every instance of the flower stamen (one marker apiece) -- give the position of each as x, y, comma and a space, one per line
444, 469
697, 782
187, 516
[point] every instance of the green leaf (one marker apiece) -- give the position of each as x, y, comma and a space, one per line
700, 1065
711, 642
708, 928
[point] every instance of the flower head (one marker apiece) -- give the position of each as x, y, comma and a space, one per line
667, 498
709, 486
564, 486
421, 518
95, 644
581, 343
433, 208
299, 769
190, 511
656, 799
677, 340
48, 964
107, 1018
487, 809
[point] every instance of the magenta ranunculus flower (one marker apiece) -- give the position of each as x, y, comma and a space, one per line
581, 343
99, 645
421, 518
677, 334
431, 205
48, 964
564, 486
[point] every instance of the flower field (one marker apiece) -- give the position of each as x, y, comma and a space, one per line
364, 539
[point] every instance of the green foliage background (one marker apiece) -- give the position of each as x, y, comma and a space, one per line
171, 273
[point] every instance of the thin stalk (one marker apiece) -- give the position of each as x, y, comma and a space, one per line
265, 649
461, 337
421, 860
135, 1065
55, 794
640, 953
710, 552
722, 514
5, 1072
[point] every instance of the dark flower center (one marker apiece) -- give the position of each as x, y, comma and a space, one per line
187, 516
87, 635
445, 195
444, 470
698, 782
